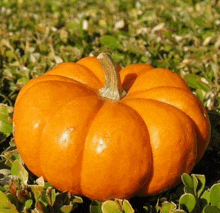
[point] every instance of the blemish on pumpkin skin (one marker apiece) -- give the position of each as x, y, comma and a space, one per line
65, 137
107, 135
100, 145
36, 125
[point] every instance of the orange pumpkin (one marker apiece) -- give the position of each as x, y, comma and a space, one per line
134, 133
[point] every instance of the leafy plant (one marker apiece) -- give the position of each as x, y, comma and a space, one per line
17, 195
5, 122
20, 196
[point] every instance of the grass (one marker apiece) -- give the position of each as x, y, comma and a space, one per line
183, 36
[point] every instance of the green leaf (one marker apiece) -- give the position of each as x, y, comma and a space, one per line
127, 208
111, 42
205, 198
51, 196
11, 54
166, 207
43, 198
77, 199
195, 183
110, 206
22, 81
5, 120
199, 184
211, 209
187, 202
67, 208
73, 25
96, 207
188, 183
5, 205
196, 82
215, 195
28, 204
37, 190
18, 169
200, 94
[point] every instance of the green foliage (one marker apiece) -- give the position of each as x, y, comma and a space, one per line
195, 198
215, 195
117, 206
187, 202
6, 205
111, 42
5, 122
182, 36
19, 196
18, 170
96, 207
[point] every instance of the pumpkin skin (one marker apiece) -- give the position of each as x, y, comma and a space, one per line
88, 145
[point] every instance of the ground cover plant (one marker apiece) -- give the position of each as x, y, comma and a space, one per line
182, 36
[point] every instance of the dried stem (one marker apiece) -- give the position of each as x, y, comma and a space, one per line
113, 89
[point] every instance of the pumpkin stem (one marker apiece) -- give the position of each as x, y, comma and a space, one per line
113, 89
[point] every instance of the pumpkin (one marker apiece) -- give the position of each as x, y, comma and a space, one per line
96, 130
